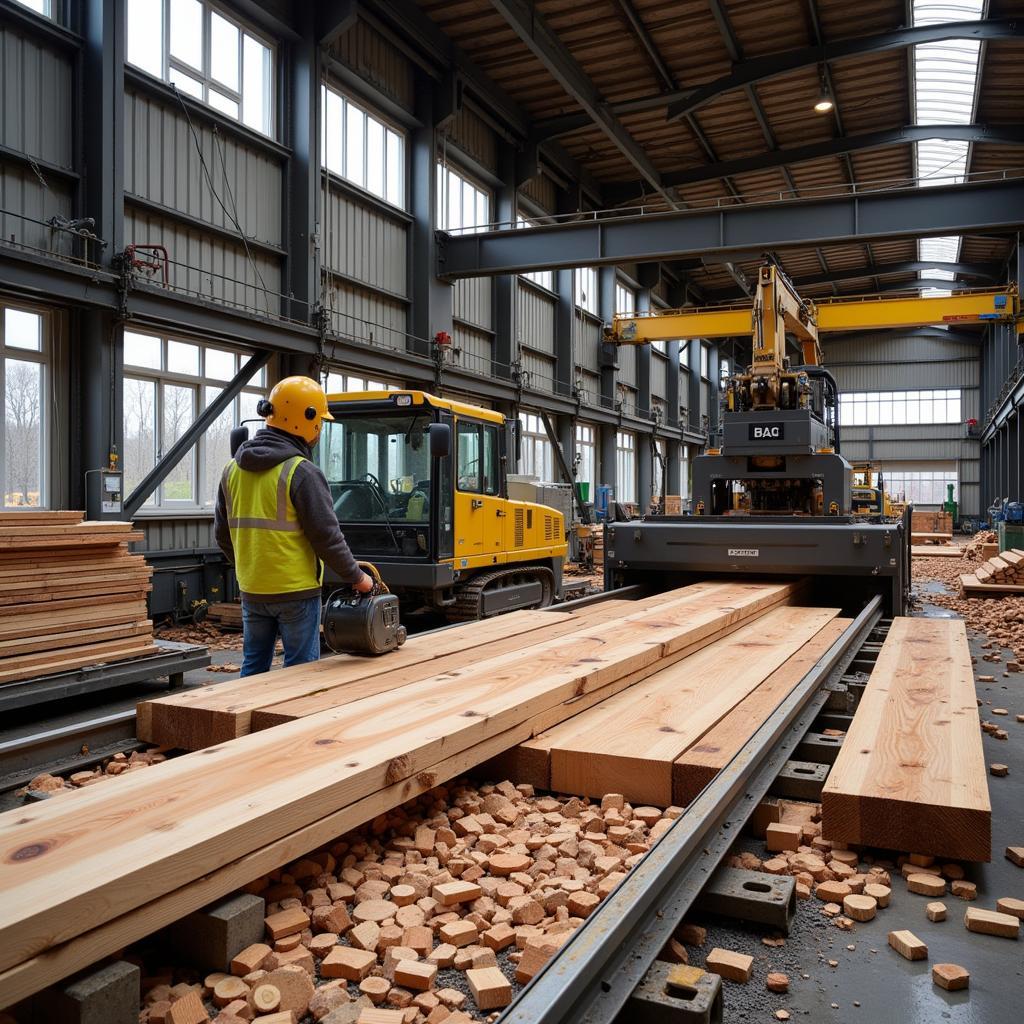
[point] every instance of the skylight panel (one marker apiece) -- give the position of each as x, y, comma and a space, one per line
945, 78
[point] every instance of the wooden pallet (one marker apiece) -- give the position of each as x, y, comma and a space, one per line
79, 873
935, 551
911, 774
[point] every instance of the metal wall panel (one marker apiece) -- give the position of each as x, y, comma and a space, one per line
364, 243
475, 137
21, 192
475, 349
541, 370
627, 365
365, 315
587, 342
969, 498
535, 318
592, 387
185, 533
35, 98
471, 301
659, 376
541, 189
208, 266
161, 164
896, 362
382, 64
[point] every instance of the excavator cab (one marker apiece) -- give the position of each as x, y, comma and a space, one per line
419, 485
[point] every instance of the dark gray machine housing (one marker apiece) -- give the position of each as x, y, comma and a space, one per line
848, 560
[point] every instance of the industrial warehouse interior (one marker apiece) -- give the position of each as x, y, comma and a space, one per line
512, 511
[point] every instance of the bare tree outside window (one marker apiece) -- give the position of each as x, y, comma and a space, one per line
139, 432
179, 404
23, 433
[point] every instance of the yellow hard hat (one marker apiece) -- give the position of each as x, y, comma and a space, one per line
297, 405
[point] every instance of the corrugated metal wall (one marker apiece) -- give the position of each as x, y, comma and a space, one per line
541, 189
474, 136
587, 341
209, 266
535, 318
35, 119
897, 362
475, 348
627, 365
365, 315
194, 532
365, 244
659, 375
373, 58
162, 164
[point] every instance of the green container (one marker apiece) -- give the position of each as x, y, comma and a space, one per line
1011, 535
584, 486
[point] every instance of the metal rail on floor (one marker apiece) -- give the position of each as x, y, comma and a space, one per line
593, 976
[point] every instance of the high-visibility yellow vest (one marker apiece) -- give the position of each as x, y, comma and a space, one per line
272, 554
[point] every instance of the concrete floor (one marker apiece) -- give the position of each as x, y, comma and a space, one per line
871, 982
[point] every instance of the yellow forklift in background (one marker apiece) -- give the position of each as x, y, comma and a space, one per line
870, 498
420, 488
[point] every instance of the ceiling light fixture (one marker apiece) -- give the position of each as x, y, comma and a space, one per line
824, 103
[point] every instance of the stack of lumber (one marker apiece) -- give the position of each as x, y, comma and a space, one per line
936, 551
226, 613
662, 741
598, 534
931, 522
910, 774
84, 875
71, 594
983, 544
1001, 574
673, 505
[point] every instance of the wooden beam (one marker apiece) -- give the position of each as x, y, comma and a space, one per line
68, 866
628, 744
911, 772
700, 763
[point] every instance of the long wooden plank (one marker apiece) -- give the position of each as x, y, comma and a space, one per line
212, 714
89, 527
43, 624
48, 663
530, 761
970, 584
39, 599
137, 592
68, 540
607, 611
628, 744
68, 866
700, 763
911, 772
45, 517
935, 551
74, 638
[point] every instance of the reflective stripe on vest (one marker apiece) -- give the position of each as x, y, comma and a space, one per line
272, 554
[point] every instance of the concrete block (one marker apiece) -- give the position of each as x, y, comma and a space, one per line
212, 937
106, 995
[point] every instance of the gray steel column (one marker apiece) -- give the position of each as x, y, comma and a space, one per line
102, 120
565, 427
712, 385
645, 445
431, 297
505, 345
672, 386
609, 355
644, 469
673, 473
608, 470
565, 314
643, 358
302, 176
694, 382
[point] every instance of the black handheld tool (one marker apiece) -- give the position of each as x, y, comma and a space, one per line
367, 623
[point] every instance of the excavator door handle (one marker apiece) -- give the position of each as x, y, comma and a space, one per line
476, 503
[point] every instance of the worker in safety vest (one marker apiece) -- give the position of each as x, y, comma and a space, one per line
275, 521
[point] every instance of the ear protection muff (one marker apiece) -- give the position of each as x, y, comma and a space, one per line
310, 413
264, 408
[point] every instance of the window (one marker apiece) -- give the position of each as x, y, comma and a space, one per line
43, 7
684, 471
461, 205
625, 299
684, 355
899, 408
658, 475
625, 464
338, 383
723, 374
704, 361
361, 148
535, 455
167, 383
920, 487
585, 288
468, 462
206, 54
586, 456
492, 459
24, 347
545, 278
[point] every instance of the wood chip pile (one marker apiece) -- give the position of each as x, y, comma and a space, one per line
436, 912
975, 546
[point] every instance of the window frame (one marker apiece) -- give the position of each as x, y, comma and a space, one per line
442, 218
541, 278
204, 75
585, 436
625, 454
200, 383
43, 357
901, 408
369, 114
587, 302
534, 448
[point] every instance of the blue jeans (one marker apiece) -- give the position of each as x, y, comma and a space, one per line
298, 622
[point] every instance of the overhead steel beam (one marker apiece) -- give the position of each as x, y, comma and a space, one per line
545, 45
760, 69
978, 208
1012, 134
334, 17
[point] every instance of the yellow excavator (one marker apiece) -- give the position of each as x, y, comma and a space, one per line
871, 498
420, 488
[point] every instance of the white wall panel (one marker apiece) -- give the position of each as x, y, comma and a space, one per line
366, 316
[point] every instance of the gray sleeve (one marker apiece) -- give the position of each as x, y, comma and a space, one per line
311, 497
220, 526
